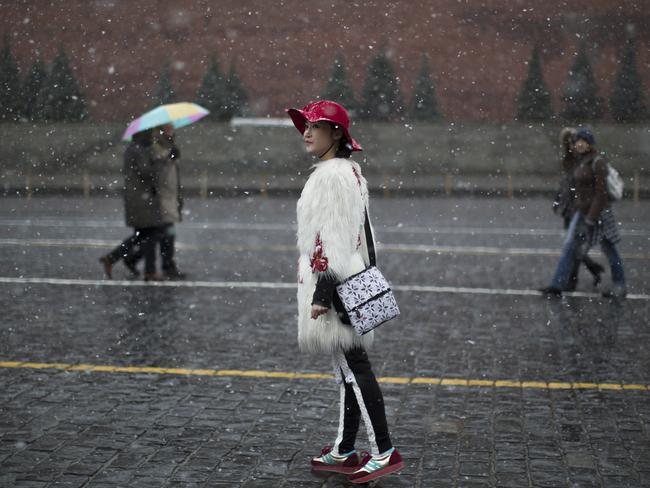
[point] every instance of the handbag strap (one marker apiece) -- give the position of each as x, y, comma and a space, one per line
370, 242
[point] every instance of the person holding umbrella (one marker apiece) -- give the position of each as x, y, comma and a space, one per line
152, 190
169, 189
142, 209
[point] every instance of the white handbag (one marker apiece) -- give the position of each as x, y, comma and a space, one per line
366, 296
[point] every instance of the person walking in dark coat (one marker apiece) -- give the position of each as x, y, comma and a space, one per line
146, 204
564, 204
593, 221
167, 180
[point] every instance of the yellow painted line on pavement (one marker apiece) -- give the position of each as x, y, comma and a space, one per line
425, 381
396, 380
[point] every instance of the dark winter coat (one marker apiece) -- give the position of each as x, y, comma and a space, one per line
150, 186
590, 177
564, 201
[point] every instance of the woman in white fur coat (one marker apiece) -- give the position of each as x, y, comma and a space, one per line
332, 247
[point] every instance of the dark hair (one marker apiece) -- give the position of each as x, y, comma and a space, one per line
345, 148
144, 138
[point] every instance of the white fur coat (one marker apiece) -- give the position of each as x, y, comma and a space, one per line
331, 239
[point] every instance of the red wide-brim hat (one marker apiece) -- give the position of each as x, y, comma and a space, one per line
324, 110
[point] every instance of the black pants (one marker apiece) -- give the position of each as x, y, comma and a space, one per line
167, 247
141, 244
371, 409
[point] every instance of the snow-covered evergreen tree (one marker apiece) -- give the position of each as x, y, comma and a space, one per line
213, 92
581, 100
425, 105
10, 87
33, 108
534, 101
165, 92
338, 89
381, 98
61, 96
627, 102
236, 96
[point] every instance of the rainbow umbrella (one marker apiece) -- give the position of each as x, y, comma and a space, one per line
177, 114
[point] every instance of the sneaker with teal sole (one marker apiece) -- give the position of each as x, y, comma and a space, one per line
373, 467
328, 461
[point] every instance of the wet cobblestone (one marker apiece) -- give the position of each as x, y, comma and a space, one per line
119, 429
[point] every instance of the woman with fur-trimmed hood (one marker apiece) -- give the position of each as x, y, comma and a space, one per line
564, 204
593, 221
332, 246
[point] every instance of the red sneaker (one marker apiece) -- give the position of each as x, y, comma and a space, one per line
373, 467
338, 464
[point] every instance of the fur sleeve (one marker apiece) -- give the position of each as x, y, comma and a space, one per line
333, 216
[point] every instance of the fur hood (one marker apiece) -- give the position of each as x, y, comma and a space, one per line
331, 240
566, 140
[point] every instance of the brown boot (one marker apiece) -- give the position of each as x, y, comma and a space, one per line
154, 277
108, 267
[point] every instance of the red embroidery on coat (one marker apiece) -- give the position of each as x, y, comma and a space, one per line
356, 173
318, 261
358, 241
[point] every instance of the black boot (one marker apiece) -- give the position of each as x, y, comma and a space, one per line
551, 291
595, 269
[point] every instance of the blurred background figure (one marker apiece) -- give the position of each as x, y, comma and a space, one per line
563, 204
152, 203
142, 158
593, 221
171, 202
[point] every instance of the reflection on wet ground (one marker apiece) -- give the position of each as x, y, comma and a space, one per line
535, 435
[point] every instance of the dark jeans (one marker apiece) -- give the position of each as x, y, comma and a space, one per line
573, 253
373, 403
142, 243
593, 266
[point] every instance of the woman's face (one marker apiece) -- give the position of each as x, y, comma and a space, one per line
320, 137
581, 146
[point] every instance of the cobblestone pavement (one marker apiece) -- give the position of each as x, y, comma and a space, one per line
486, 384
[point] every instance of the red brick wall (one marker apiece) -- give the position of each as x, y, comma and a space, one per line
284, 49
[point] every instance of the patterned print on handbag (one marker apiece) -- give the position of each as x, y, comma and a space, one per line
367, 296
